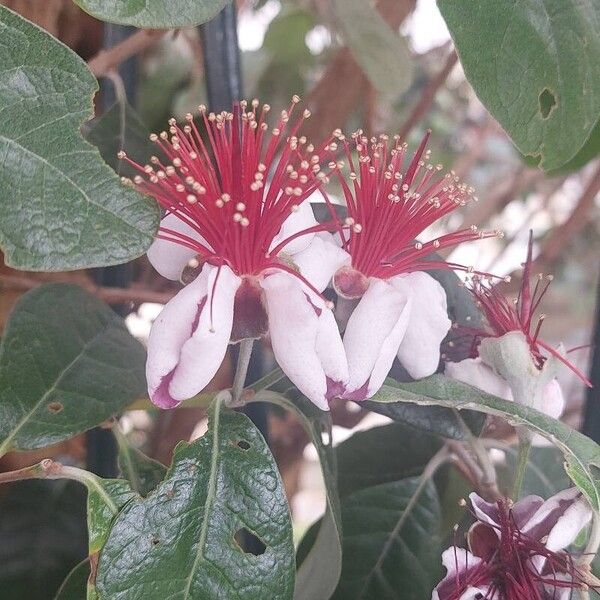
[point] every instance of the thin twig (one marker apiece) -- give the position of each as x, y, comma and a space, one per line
108, 60
110, 295
243, 362
428, 96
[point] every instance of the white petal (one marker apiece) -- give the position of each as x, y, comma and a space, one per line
320, 260
171, 329
476, 373
458, 559
553, 399
568, 526
295, 330
169, 258
202, 355
372, 337
419, 351
299, 220
330, 349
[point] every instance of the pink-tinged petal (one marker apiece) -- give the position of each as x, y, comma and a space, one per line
458, 562
202, 354
550, 512
320, 260
476, 373
372, 337
171, 329
456, 559
429, 324
170, 258
299, 220
486, 512
298, 330
568, 526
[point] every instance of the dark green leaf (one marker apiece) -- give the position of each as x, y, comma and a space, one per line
183, 539
582, 455
120, 128
61, 206
158, 14
381, 455
74, 587
534, 65
142, 472
42, 537
381, 53
588, 152
321, 566
391, 542
67, 363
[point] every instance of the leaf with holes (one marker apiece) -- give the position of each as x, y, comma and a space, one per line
379, 455
142, 472
67, 363
183, 540
320, 567
582, 455
157, 14
534, 65
118, 129
380, 51
392, 542
61, 206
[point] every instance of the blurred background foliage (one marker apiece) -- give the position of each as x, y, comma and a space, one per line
386, 66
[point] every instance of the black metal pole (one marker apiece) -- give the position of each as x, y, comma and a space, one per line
591, 418
101, 444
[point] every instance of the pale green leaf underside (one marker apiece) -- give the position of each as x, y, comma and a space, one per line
582, 455
61, 206
534, 65
160, 14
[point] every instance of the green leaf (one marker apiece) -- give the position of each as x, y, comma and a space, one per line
142, 472
320, 566
42, 537
391, 542
121, 128
589, 151
61, 206
381, 53
67, 363
182, 540
158, 14
534, 65
74, 587
379, 455
582, 455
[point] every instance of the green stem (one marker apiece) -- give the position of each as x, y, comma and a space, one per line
522, 460
241, 370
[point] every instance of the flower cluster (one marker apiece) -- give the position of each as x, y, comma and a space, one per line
518, 551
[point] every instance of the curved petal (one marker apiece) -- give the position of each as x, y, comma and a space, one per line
320, 260
459, 561
170, 258
476, 373
372, 337
299, 220
303, 337
568, 526
419, 351
553, 399
202, 354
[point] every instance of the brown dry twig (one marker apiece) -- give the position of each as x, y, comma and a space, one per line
107, 60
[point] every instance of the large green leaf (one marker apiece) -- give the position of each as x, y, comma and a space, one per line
534, 65
67, 363
121, 128
61, 206
159, 14
379, 455
74, 587
391, 542
382, 54
320, 566
582, 455
182, 541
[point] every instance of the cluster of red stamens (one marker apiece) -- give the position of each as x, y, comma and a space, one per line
214, 178
514, 565
504, 315
390, 203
